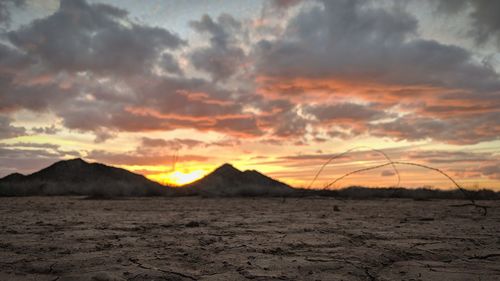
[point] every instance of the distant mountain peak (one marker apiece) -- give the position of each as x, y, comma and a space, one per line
78, 177
77, 161
226, 168
227, 180
13, 177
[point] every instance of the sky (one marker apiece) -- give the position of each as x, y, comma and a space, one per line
171, 89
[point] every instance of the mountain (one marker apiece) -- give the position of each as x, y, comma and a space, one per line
78, 177
229, 181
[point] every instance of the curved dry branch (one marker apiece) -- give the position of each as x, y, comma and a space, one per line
464, 192
347, 152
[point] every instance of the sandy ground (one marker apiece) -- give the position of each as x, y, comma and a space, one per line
67, 238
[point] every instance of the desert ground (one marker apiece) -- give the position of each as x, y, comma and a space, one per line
192, 238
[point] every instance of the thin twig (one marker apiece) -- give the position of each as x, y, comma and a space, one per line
347, 152
416, 165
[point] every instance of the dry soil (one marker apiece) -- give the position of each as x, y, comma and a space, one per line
69, 238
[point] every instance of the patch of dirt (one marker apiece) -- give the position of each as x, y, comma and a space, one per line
65, 238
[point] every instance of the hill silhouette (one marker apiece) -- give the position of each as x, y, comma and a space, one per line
78, 177
226, 180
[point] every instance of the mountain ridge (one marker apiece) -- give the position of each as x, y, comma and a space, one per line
226, 180
78, 177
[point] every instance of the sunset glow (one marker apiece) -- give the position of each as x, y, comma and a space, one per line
173, 89
178, 178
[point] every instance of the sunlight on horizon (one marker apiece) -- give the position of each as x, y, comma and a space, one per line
177, 178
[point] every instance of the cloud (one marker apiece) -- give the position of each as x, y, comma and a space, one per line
8, 131
491, 171
142, 159
485, 23
24, 157
349, 40
448, 157
284, 4
178, 144
459, 131
170, 64
223, 57
287, 124
93, 67
33, 145
51, 130
347, 51
387, 173
164, 103
86, 37
337, 69
5, 10
174, 144
344, 112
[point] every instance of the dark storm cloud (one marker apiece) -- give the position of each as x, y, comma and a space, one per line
93, 37
223, 57
7, 130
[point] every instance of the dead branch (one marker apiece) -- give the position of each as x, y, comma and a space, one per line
464, 192
347, 152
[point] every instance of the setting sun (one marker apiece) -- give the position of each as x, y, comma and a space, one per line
178, 177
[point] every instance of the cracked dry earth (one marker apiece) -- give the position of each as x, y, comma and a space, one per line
68, 238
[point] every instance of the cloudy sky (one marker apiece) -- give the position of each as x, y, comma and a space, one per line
279, 86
